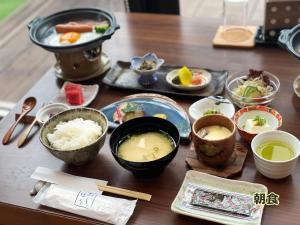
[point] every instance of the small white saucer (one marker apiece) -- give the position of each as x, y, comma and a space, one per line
89, 94
49, 110
197, 109
174, 73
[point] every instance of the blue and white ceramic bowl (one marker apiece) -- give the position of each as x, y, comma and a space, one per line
136, 62
147, 76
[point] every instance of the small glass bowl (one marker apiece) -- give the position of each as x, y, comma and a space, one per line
233, 81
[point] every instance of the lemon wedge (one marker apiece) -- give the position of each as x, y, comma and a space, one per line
160, 115
185, 76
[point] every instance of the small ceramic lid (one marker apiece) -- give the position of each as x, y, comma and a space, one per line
49, 110
296, 86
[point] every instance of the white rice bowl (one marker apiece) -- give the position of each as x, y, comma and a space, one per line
74, 134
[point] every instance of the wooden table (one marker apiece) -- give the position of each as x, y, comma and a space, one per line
180, 41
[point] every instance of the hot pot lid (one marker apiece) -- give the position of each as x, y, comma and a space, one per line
290, 40
41, 28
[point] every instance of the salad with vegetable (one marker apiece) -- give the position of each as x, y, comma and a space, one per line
255, 85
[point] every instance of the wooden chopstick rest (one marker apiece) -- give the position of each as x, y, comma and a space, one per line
26, 119
124, 192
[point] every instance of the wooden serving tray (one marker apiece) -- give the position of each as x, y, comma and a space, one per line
121, 76
235, 36
229, 170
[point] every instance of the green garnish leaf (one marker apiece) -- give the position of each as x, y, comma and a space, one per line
211, 112
259, 121
130, 107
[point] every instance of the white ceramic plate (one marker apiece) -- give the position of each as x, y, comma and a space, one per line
219, 184
219, 103
296, 86
174, 73
89, 94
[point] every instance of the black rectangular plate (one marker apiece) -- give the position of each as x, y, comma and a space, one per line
121, 76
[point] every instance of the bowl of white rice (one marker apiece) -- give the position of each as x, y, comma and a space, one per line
76, 135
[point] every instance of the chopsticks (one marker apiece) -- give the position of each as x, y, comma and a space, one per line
124, 192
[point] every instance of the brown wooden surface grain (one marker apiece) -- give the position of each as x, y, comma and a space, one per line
179, 41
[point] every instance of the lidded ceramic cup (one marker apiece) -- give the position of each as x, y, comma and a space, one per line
214, 152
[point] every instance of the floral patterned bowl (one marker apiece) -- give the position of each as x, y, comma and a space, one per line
272, 117
147, 76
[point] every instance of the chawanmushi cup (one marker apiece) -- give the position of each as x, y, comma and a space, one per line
214, 153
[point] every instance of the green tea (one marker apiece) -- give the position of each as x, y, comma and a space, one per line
275, 151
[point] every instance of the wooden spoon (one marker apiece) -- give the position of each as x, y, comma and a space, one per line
25, 133
28, 105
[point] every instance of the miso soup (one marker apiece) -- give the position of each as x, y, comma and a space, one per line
275, 151
145, 147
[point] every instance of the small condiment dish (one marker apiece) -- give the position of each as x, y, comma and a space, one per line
172, 79
49, 110
218, 104
271, 116
147, 76
275, 169
214, 152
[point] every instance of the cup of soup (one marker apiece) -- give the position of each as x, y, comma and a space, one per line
145, 145
275, 153
213, 137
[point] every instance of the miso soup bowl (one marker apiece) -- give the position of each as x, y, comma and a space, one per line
144, 124
214, 152
275, 169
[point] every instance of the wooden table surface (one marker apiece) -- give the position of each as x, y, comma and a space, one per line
179, 41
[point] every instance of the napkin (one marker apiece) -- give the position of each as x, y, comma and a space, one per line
89, 204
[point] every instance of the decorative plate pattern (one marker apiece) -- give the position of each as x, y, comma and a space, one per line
154, 104
198, 179
258, 108
271, 115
